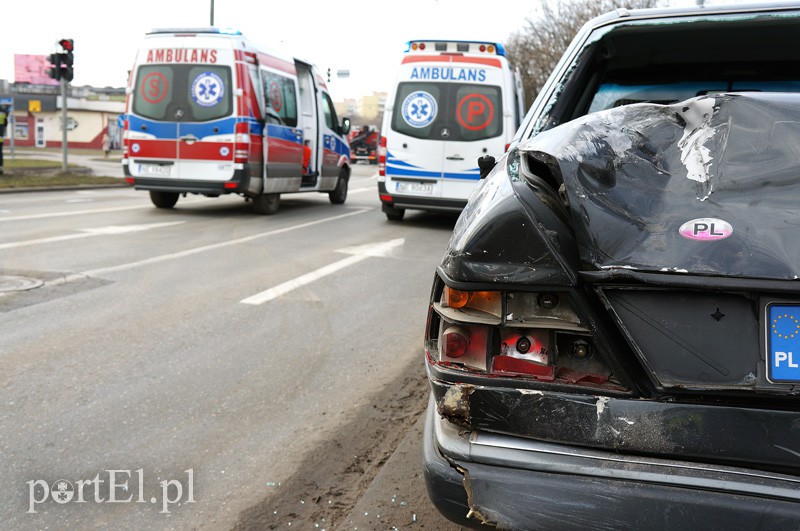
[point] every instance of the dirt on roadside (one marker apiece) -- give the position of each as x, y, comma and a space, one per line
333, 481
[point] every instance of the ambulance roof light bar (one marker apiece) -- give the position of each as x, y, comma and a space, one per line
447, 46
184, 31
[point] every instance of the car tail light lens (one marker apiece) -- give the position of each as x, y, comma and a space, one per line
481, 301
531, 335
455, 341
241, 147
382, 157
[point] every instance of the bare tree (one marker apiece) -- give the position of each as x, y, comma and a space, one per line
538, 46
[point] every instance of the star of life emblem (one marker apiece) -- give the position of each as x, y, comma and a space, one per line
419, 109
207, 89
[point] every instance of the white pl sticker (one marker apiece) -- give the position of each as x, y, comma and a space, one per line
706, 229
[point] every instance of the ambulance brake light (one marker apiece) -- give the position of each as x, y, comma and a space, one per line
125, 136
456, 47
382, 157
241, 146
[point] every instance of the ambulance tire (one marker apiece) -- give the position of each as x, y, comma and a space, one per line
339, 194
394, 214
163, 199
266, 203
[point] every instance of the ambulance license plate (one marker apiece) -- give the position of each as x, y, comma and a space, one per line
415, 188
783, 342
161, 170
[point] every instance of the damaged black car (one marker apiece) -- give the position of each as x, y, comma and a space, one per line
613, 340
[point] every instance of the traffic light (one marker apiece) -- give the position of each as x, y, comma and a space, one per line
67, 45
55, 70
67, 71
66, 66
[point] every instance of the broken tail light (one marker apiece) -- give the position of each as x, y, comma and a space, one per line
513, 334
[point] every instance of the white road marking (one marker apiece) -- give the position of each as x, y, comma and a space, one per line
188, 252
74, 213
172, 256
85, 233
359, 253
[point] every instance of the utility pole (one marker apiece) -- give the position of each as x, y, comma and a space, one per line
63, 125
212, 12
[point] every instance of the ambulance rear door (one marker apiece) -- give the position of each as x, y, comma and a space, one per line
417, 136
475, 126
182, 119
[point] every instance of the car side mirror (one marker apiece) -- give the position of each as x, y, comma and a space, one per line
345, 125
485, 164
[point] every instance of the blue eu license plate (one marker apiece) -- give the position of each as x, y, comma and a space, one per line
783, 342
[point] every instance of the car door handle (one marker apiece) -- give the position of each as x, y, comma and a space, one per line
455, 157
189, 139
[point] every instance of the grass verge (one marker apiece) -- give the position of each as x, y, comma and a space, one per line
37, 173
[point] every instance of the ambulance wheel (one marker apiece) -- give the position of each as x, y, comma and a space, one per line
163, 199
339, 193
393, 214
266, 203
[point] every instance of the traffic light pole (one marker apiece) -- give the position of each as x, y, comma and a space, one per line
64, 125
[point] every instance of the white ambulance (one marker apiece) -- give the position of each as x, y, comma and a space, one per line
453, 102
209, 113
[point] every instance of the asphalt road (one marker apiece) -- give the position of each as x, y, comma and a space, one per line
188, 368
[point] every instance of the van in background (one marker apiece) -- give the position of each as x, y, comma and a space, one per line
209, 113
452, 103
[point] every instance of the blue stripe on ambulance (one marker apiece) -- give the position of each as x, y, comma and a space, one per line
284, 132
402, 168
335, 144
169, 131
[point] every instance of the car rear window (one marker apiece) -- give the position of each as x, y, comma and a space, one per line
611, 95
189, 93
466, 111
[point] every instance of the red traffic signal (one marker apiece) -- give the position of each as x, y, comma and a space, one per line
67, 44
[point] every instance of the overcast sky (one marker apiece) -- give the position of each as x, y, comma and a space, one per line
364, 37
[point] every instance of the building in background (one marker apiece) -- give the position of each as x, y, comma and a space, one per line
90, 113
371, 107
366, 110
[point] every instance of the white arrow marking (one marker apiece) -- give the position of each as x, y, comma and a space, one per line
85, 233
361, 252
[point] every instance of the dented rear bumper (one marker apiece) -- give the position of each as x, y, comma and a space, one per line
515, 483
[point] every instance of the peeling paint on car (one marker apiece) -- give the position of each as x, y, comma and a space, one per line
695, 154
601, 405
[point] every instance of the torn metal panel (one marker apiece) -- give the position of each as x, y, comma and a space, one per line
705, 186
454, 404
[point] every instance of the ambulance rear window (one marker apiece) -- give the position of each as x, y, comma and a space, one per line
448, 111
186, 93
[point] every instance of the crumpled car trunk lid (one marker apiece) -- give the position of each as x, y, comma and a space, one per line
707, 186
